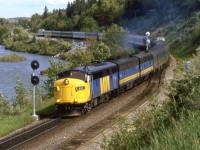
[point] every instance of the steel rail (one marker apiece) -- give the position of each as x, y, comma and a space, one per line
30, 134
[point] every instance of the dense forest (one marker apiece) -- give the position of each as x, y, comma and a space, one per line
97, 15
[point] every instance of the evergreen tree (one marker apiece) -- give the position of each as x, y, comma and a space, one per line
45, 14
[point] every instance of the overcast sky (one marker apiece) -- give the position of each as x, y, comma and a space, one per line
26, 8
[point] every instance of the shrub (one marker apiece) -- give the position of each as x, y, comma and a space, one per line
4, 105
80, 57
20, 94
12, 58
101, 52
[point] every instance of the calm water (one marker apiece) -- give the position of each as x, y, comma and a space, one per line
9, 71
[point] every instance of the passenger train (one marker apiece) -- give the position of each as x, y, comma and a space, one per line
70, 34
80, 89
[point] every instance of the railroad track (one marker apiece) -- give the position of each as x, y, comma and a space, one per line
28, 138
29, 134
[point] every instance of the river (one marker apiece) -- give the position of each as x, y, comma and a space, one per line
9, 71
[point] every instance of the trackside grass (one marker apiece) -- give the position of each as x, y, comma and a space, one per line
173, 126
46, 107
18, 113
184, 134
10, 123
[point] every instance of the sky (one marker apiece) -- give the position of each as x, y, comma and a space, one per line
26, 8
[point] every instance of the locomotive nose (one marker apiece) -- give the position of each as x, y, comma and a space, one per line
71, 91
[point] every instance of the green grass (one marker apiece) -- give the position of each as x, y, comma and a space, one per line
10, 123
184, 135
46, 107
181, 134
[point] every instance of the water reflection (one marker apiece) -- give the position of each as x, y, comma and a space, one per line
9, 71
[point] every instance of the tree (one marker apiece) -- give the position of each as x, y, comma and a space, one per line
36, 22
3, 21
101, 52
113, 37
4, 31
80, 57
60, 15
4, 105
88, 24
20, 93
25, 23
45, 14
19, 35
107, 12
52, 71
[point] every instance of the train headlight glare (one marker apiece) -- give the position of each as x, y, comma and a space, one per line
66, 81
75, 101
80, 88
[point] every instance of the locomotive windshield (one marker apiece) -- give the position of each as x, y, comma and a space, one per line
71, 74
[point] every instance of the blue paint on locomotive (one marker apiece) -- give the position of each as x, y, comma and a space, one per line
128, 69
95, 86
146, 68
128, 75
114, 81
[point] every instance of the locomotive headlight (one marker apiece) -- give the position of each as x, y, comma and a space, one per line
66, 82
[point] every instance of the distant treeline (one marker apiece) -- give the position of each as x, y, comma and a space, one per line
97, 15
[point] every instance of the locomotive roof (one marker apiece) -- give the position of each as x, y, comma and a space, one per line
125, 60
160, 45
94, 67
143, 54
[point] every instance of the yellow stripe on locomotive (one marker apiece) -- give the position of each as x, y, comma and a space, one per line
147, 70
129, 78
71, 91
105, 84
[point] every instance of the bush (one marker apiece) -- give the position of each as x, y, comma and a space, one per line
20, 94
80, 57
101, 52
4, 105
12, 58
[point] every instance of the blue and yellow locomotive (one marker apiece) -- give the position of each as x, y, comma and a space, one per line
83, 88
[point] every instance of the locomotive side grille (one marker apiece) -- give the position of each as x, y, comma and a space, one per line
105, 84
